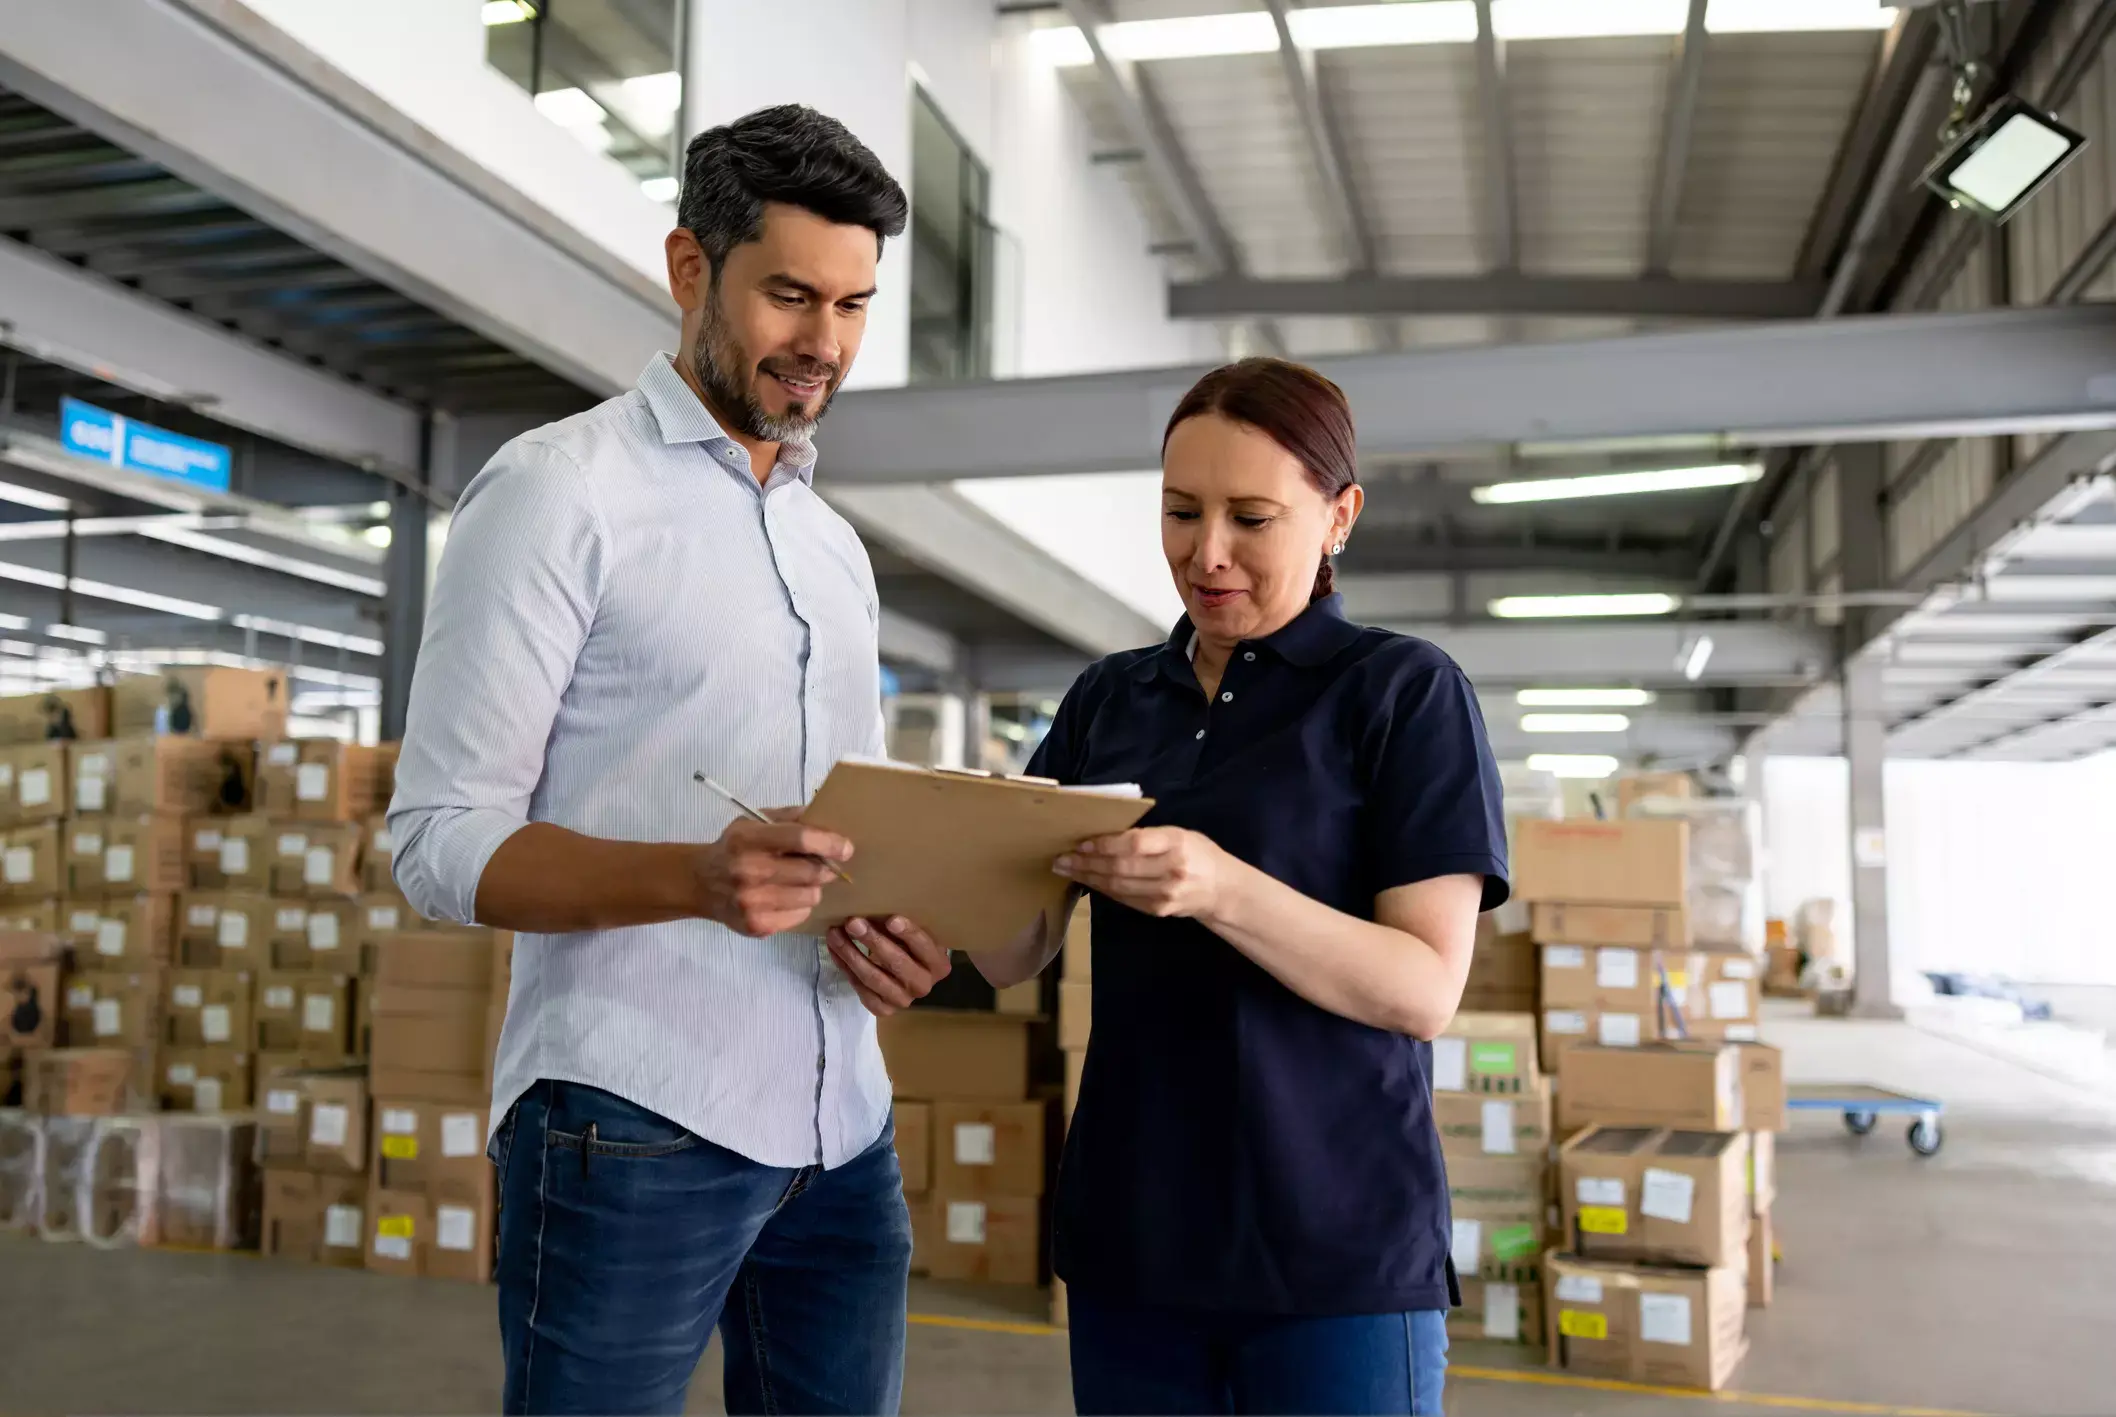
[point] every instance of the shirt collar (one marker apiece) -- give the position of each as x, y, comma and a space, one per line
1314, 637
683, 418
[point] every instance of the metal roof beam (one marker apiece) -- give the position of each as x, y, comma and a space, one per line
1501, 198
1988, 693
1678, 126
1325, 143
1504, 293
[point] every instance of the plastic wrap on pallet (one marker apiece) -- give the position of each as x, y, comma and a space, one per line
119, 1208
21, 1169
208, 1193
69, 1147
1725, 895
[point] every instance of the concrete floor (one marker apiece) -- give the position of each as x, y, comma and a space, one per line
1976, 1281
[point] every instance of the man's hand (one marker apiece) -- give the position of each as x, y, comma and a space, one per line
1162, 871
757, 879
890, 963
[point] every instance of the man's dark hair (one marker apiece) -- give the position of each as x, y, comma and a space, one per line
789, 154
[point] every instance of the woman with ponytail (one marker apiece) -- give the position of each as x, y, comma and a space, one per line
1252, 1213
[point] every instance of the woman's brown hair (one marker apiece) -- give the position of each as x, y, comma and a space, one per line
1296, 408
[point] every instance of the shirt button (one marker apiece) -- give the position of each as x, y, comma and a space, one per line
1227, 696
1201, 733
1249, 654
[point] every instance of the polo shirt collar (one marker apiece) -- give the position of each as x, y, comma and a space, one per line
1315, 636
683, 418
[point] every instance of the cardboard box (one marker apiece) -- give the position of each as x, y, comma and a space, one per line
408, 1233
1781, 972
1502, 972
206, 1080
1637, 787
77, 1082
129, 777
377, 857
380, 913
1499, 1311
1484, 1124
128, 933
1644, 861
1486, 1053
430, 1043
1076, 1013
316, 858
291, 1228
31, 864
1763, 1260
55, 713
241, 852
1499, 1237
1659, 1196
1640, 926
30, 1002
33, 782
1075, 1070
200, 702
241, 933
1762, 1088
208, 1008
990, 1238
115, 1010
432, 1147
198, 918
1610, 978
914, 1145
956, 1053
326, 936
334, 1111
1763, 1171
304, 1012
40, 917
1724, 997
1076, 956
126, 855
1643, 1324
454, 957
342, 782
202, 839
1691, 1086
989, 1149
276, 777
282, 1100
1612, 1028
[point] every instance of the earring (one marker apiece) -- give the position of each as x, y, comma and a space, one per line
1338, 549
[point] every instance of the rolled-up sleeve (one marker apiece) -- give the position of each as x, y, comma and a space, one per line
512, 604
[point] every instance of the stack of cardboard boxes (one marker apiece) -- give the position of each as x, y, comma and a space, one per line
1076, 963
1491, 1104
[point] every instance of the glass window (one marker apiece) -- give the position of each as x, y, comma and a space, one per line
607, 71
951, 251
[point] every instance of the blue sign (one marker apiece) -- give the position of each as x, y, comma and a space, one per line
141, 447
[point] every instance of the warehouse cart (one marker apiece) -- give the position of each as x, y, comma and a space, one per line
1863, 1105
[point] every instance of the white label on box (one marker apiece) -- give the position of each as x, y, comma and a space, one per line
95, 765
323, 931
319, 1013
1466, 1245
455, 1227
234, 930
1579, 1289
1600, 1190
282, 755
462, 1134
90, 793
7, 775
205, 1095
1502, 1312
1737, 969
213, 1023
382, 917
1564, 957
400, 1121
1869, 846
328, 1123
292, 843
234, 855
393, 1247
383, 843
88, 844
1730, 1000
1619, 1031
976, 1144
201, 916
322, 866
1616, 969
20, 864
283, 1102
117, 863
1664, 1318
312, 782
289, 919
1565, 1021
186, 996
110, 937
341, 1227
966, 1222
1499, 1128
279, 997
206, 839
34, 789
182, 1074
1741, 1033
1450, 1064
1667, 1195
80, 996
83, 922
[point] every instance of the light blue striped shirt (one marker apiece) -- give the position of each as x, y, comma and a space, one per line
618, 606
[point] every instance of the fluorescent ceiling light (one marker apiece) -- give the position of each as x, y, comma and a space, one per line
1541, 607
1370, 26
268, 560
2003, 159
570, 108
661, 189
1618, 484
1796, 16
1584, 698
31, 497
655, 93
506, 12
1574, 723
1696, 655
377, 536
15, 622
308, 634
81, 634
1582, 765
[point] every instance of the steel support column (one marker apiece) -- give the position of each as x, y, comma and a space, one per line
404, 609
1866, 750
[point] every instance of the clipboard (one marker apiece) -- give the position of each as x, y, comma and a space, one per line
965, 855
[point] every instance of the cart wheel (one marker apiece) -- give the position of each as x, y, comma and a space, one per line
1925, 1136
1859, 1123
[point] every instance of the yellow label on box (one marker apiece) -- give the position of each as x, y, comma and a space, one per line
1577, 1323
395, 1227
1678, 980
407, 1149
1603, 1220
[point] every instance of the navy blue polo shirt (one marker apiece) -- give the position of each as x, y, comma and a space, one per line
1235, 1147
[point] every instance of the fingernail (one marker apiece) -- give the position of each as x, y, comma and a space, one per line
899, 924
858, 927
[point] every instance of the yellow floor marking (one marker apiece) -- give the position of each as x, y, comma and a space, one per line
1032, 1330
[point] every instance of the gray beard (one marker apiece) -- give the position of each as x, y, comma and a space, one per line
716, 361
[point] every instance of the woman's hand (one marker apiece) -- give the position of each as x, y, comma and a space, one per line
1162, 871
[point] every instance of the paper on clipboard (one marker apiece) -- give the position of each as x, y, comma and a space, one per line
965, 855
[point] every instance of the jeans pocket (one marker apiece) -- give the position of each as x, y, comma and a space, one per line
583, 1118
503, 1139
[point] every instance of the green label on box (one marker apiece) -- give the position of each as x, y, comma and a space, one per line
1513, 1242
1491, 1058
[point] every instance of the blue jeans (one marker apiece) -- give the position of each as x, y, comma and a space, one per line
1128, 1359
624, 1239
